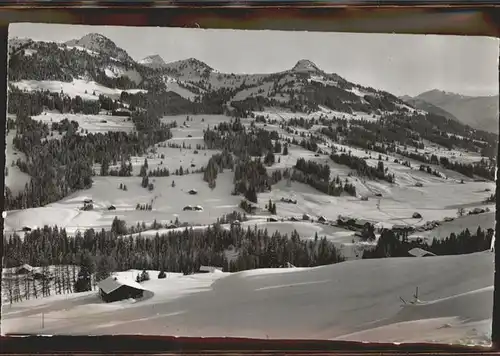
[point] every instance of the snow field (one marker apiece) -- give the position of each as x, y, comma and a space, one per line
91, 123
167, 202
78, 87
328, 302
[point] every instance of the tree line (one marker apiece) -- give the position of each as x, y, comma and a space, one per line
362, 168
396, 244
103, 252
59, 167
318, 176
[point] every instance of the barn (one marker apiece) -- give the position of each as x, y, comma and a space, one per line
418, 252
25, 269
113, 289
210, 269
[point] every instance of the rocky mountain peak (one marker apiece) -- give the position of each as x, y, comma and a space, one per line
153, 61
101, 44
305, 66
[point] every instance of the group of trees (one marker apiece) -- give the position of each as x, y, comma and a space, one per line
216, 164
61, 279
395, 244
392, 131
318, 176
53, 61
34, 102
165, 172
59, 167
362, 168
241, 142
175, 251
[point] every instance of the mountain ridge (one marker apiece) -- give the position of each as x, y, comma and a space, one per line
304, 87
102, 44
479, 112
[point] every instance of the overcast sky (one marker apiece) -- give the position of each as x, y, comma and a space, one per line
400, 64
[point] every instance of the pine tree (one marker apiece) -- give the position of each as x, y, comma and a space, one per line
105, 266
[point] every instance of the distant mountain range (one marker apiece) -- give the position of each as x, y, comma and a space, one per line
302, 88
478, 112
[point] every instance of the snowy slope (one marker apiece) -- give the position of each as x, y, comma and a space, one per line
153, 61
96, 42
327, 302
78, 87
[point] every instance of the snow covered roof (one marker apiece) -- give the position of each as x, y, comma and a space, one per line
210, 269
112, 283
26, 267
418, 252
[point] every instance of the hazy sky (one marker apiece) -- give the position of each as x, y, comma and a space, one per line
400, 64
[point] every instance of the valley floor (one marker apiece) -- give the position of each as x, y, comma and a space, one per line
346, 301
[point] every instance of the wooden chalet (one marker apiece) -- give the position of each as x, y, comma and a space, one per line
418, 252
209, 269
25, 269
113, 289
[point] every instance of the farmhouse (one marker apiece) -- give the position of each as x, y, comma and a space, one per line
272, 219
37, 275
476, 211
344, 220
418, 252
121, 112
322, 219
361, 223
24, 269
288, 200
210, 269
416, 215
26, 229
113, 289
403, 228
187, 207
111, 207
198, 208
193, 191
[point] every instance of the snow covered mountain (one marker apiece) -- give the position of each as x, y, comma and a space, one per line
101, 44
189, 67
306, 66
303, 88
479, 112
153, 61
428, 107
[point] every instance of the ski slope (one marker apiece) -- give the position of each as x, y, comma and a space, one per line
356, 300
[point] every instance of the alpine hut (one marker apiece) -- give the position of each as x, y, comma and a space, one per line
113, 289
210, 269
418, 252
25, 269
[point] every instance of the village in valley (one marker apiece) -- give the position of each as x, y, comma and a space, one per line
171, 198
